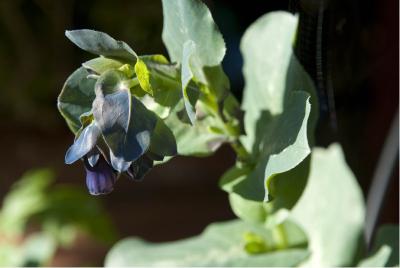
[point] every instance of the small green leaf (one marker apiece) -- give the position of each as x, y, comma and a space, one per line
219, 245
143, 75
76, 98
385, 248
100, 43
101, 64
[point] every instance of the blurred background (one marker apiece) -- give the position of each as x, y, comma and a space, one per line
179, 199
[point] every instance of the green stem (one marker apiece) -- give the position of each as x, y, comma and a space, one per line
279, 235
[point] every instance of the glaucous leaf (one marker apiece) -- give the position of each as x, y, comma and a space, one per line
278, 116
100, 43
271, 70
331, 209
190, 20
220, 244
76, 98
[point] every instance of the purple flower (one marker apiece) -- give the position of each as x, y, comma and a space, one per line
100, 178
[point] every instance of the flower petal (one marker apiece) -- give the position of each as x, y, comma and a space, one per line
83, 144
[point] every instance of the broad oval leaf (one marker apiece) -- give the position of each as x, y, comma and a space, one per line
100, 43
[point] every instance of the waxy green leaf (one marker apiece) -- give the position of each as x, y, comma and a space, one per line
331, 209
100, 43
190, 20
279, 118
221, 244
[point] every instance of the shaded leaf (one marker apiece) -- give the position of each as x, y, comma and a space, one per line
100, 43
76, 98
163, 141
284, 146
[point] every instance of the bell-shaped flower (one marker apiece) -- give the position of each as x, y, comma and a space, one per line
101, 177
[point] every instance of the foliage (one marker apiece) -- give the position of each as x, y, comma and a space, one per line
60, 211
297, 205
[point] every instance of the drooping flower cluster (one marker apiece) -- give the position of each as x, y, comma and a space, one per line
103, 103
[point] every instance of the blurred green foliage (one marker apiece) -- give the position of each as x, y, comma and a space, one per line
37, 217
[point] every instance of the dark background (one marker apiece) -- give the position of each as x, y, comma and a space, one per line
180, 198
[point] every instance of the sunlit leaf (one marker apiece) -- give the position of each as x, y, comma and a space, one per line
186, 20
143, 75
186, 76
331, 209
279, 118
